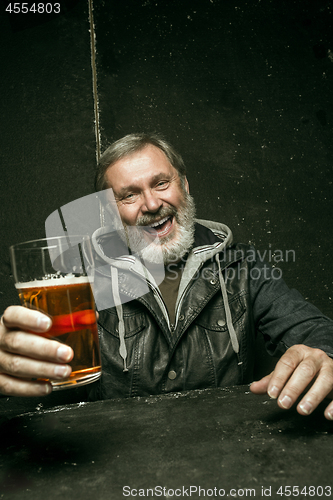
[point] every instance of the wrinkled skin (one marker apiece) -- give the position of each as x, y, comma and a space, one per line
294, 372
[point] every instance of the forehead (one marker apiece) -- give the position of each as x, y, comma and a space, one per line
142, 164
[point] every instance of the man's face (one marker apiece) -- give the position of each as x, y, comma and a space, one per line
149, 193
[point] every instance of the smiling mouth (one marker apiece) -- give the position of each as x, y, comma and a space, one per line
162, 227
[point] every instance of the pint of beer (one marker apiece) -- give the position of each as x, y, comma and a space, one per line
54, 275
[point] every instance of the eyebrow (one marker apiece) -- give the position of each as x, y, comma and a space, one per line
132, 187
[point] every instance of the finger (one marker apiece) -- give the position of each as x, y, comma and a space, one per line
318, 391
329, 411
11, 386
297, 384
23, 367
26, 319
315, 364
36, 347
260, 386
283, 370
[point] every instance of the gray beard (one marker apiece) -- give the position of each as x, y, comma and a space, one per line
169, 249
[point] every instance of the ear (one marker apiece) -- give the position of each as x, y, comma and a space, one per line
186, 184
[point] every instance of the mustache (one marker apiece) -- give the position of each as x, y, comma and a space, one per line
147, 219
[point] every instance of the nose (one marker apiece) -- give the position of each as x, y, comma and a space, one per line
151, 203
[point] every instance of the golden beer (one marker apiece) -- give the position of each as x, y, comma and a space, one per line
69, 302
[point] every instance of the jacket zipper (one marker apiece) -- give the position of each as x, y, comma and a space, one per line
182, 298
158, 296
187, 287
161, 303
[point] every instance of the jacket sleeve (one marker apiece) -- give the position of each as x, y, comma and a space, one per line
282, 315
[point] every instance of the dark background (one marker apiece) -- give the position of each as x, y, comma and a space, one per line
243, 89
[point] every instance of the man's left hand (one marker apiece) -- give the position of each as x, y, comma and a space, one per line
296, 369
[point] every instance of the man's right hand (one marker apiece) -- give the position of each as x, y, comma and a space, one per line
25, 357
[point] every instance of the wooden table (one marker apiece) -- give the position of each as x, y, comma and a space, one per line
219, 440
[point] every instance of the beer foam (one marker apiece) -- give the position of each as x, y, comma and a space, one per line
61, 281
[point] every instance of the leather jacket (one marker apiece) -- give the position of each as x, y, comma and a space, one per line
224, 287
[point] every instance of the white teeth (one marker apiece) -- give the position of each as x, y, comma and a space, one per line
158, 223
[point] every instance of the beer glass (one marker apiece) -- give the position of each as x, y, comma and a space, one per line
54, 275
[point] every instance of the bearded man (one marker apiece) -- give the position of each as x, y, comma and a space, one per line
195, 329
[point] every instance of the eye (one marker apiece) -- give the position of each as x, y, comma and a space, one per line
162, 184
129, 198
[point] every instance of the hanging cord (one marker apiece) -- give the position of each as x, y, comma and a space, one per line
119, 309
232, 333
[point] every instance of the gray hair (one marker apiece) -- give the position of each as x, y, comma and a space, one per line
131, 144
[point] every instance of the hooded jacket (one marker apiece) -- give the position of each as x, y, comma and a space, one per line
227, 296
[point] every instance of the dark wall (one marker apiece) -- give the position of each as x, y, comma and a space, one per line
47, 122
242, 88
